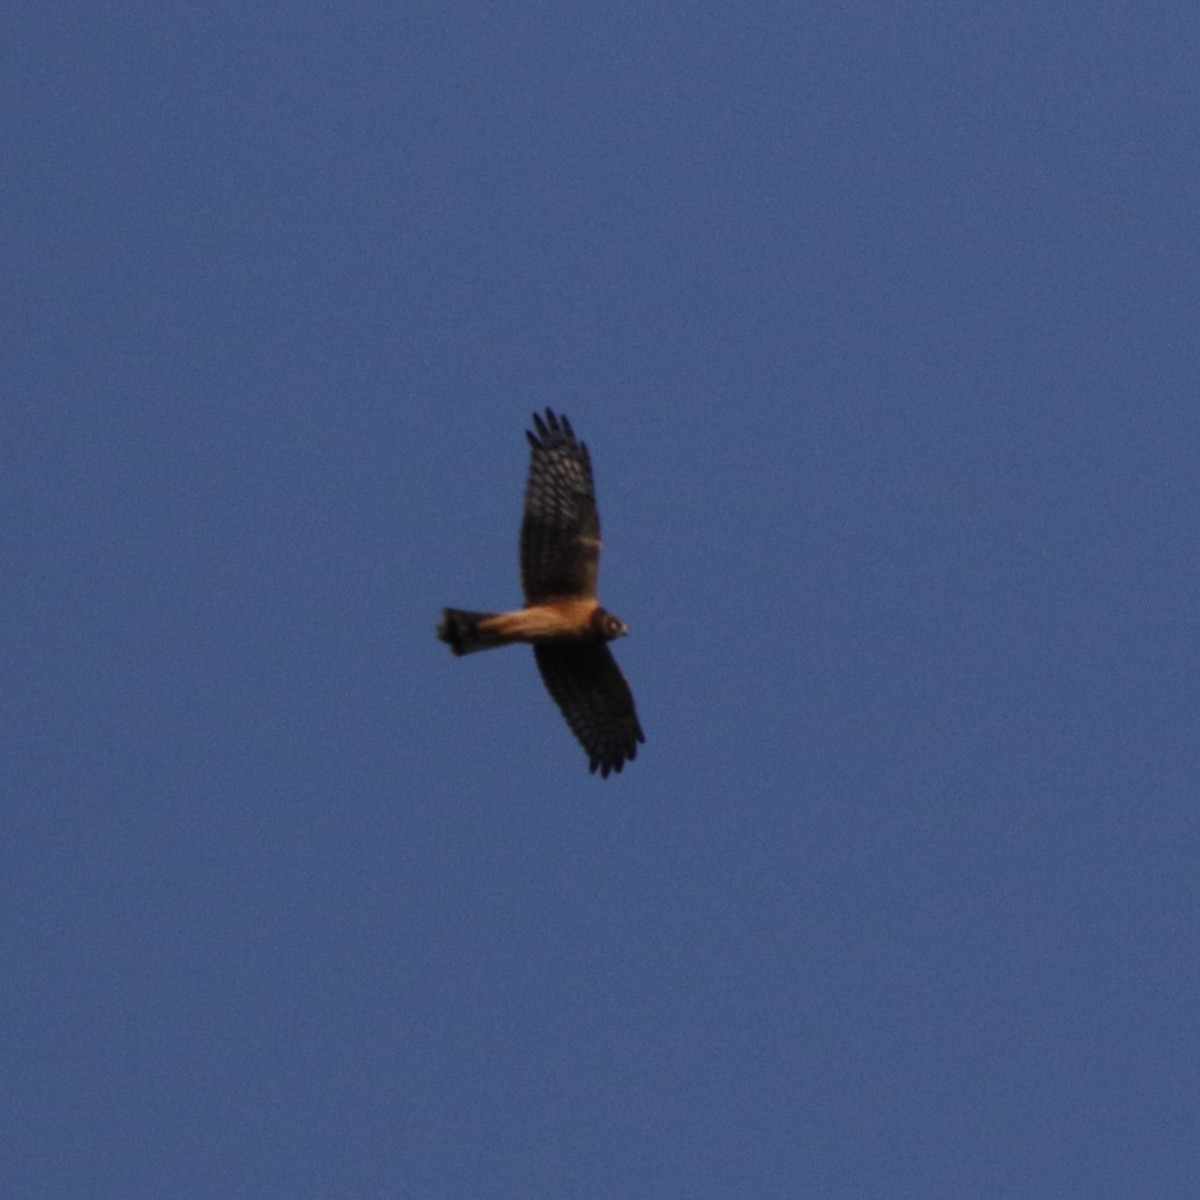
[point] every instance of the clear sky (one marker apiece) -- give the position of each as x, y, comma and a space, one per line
882, 323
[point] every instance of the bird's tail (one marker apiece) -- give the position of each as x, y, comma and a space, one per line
462, 631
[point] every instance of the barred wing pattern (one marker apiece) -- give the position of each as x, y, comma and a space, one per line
562, 618
587, 685
560, 534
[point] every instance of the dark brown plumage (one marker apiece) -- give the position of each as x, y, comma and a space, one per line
569, 631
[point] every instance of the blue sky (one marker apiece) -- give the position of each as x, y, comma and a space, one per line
881, 324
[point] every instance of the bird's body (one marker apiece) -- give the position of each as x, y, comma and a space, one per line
467, 632
562, 619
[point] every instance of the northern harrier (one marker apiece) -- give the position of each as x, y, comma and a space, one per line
569, 631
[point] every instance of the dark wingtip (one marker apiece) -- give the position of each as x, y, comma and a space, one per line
550, 427
613, 766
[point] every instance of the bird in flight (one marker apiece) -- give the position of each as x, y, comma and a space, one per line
562, 619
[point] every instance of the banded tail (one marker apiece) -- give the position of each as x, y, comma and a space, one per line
461, 631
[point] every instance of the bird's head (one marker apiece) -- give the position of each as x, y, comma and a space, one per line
608, 626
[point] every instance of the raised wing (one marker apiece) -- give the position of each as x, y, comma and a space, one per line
560, 534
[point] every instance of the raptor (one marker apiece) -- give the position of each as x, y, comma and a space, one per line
562, 618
